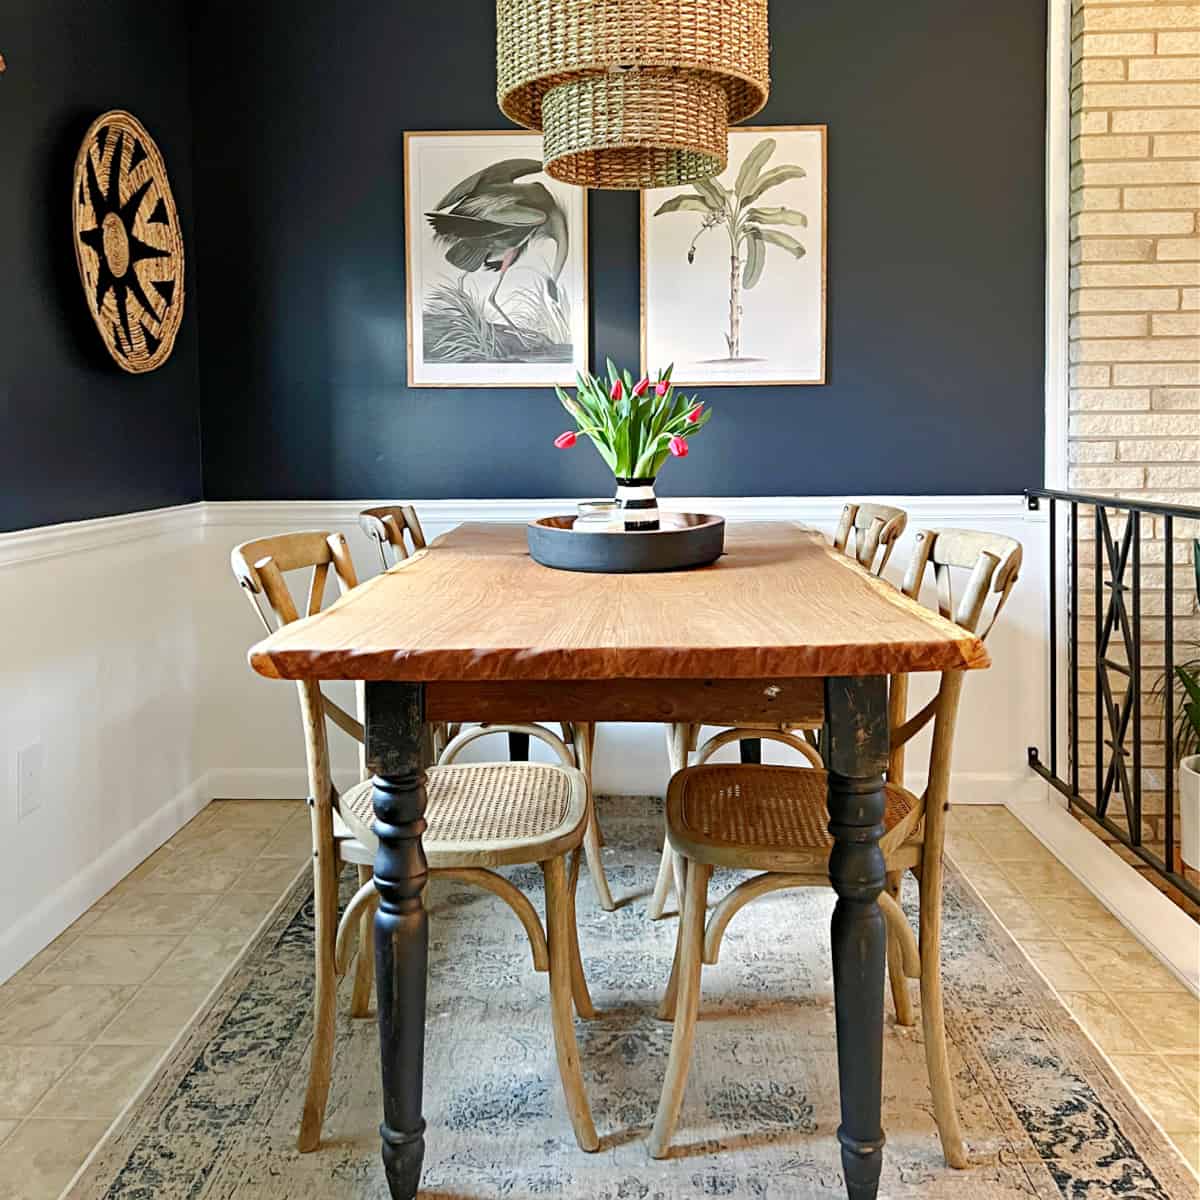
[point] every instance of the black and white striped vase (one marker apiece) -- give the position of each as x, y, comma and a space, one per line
638, 504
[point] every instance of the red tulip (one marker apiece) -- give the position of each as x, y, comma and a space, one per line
694, 415
565, 441
662, 387
679, 447
617, 391
642, 386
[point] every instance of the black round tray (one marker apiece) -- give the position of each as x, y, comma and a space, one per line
683, 540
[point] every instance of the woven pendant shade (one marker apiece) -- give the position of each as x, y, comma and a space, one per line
632, 93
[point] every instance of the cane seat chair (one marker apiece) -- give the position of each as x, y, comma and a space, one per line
867, 533
773, 819
479, 816
396, 531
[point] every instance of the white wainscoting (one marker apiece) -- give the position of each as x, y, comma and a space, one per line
125, 658
102, 669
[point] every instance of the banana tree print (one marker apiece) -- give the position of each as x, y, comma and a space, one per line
748, 225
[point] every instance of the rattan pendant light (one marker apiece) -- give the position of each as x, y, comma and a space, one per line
632, 93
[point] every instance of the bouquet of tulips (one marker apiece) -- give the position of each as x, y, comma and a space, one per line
635, 427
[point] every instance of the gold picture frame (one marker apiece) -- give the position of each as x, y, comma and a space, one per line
671, 340
478, 343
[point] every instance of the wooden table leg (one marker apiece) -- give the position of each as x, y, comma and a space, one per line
395, 737
856, 731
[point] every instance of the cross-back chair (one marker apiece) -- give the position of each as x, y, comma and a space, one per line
773, 819
479, 816
396, 531
865, 532
869, 533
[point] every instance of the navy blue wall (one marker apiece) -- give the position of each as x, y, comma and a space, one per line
79, 437
936, 116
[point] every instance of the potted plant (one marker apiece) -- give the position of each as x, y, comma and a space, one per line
1187, 743
635, 428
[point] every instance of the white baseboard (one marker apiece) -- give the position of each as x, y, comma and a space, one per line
76, 893
1158, 924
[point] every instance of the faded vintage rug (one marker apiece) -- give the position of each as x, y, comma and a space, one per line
1044, 1116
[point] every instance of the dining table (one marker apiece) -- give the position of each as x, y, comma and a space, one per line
780, 629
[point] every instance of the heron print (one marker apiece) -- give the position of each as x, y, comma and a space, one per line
496, 275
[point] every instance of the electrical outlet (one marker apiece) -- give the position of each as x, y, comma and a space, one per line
29, 780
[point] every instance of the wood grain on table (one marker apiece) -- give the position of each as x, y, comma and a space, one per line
475, 606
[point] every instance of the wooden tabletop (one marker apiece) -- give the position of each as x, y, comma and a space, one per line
475, 606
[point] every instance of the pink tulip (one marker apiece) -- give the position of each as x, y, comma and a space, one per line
617, 391
661, 387
679, 447
565, 441
641, 387
694, 415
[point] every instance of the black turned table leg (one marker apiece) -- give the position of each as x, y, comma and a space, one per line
518, 747
395, 729
856, 749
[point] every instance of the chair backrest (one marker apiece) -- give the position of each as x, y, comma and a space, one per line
869, 532
259, 567
396, 531
992, 560
992, 563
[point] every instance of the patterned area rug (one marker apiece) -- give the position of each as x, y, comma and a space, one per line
1044, 1116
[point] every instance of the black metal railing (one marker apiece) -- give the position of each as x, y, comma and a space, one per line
1116, 613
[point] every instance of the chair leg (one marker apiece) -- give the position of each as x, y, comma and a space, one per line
933, 1017
691, 938
558, 928
584, 742
901, 996
679, 742
364, 965
662, 886
579, 988
666, 1006
325, 906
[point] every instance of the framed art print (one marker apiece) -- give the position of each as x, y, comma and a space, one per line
496, 263
733, 268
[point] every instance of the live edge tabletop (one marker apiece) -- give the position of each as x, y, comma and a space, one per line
475, 606
782, 628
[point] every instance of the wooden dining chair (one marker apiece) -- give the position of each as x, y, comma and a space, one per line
869, 533
396, 531
479, 816
774, 820
866, 532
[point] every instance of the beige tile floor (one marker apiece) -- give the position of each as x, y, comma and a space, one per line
86, 1021
1134, 1009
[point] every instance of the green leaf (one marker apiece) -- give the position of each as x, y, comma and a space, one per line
756, 257
753, 164
773, 178
1190, 684
712, 193
784, 240
1196, 564
684, 203
776, 216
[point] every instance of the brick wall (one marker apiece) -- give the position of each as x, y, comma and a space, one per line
1134, 425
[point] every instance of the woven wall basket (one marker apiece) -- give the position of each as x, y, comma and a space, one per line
632, 93
127, 241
